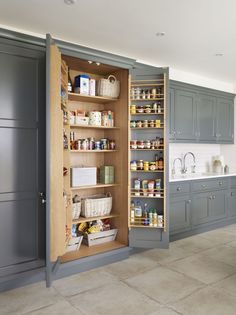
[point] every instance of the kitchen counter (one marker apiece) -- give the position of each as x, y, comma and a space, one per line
196, 176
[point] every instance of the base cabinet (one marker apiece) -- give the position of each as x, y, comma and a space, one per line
232, 203
200, 209
180, 214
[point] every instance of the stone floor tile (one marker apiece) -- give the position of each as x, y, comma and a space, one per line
228, 284
223, 253
27, 299
195, 244
116, 299
60, 308
219, 236
164, 285
163, 310
135, 265
208, 301
232, 244
203, 268
84, 281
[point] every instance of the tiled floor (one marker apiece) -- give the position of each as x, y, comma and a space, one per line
197, 275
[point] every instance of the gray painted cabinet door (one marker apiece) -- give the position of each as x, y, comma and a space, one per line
232, 203
206, 110
185, 115
218, 207
200, 208
172, 114
225, 120
179, 214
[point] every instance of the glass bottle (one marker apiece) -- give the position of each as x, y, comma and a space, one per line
154, 218
138, 210
132, 212
161, 162
150, 217
70, 86
145, 215
65, 140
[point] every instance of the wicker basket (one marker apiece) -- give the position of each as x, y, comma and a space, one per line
109, 87
76, 210
97, 205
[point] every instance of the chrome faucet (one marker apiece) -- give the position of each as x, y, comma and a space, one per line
184, 168
181, 164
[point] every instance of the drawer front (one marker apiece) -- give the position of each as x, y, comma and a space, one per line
179, 188
233, 181
209, 185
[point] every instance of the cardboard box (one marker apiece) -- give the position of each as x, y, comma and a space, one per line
81, 85
83, 176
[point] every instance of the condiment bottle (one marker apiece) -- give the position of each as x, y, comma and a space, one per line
154, 219
132, 212
145, 215
157, 163
150, 217
138, 210
161, 162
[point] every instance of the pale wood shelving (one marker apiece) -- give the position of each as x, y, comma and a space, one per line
82, 219
90, 99
94, 127
93, 151
94, 186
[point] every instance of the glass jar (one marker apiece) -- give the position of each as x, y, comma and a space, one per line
143, 94
132, 123
154, 107
145, 123
146, 166
133, 144
151, 123
138, 92
147, 144
112, 144
140, 165
152, 166
132, 109
133, 166
148, 94
140, 109
132, 93
154, 92
140, 144
148, 109
139, 124
158, 123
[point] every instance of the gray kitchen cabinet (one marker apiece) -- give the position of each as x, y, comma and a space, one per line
200, 115
200, 208
232, 203
218, 205
180, 214
225, 120
206, 124
184, 115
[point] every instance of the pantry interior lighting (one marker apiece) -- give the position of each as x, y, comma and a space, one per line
70, 2
90, 62
160, 34
219, 55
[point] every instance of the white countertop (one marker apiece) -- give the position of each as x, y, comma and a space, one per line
195, 176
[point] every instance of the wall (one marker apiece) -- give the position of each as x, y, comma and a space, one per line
202, 152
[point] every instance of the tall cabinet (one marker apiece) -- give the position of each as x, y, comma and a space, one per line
67, 63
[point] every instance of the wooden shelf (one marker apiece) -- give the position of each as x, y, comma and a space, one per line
147, 99
147, 149
142, 171
154, 197
90, 99
82, 219
137, 114
94, 186
86, 251
93, 127
138, 128
147, 84
93, 151
145, 226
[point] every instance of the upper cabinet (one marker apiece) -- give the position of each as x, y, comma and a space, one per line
200, 115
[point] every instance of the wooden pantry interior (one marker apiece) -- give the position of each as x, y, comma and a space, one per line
132, 232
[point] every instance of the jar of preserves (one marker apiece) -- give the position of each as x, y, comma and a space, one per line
140, 109
146, 166
145, 123
143, 94
112, 145
148, 94
140, 144
148, 109
133, 144
137, 94
140, 165
139, 124
132, 109
97, 145
147, 144
152, 123
154, 107
133, 166
158, 123
132, 123
152, 166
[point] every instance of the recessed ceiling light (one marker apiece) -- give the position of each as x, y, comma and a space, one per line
90, 62
98, 63
219, 55
70, 2
160, 34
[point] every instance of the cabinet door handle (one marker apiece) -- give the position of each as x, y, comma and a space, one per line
178, 189
213, 197
178, 132
203, 186
189, 201
210, 197
232, 194
220, 183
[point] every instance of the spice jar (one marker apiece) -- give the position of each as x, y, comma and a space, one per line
151, 123
148, 109
152, 166
133, 166
132, 93
140, 165
133, 144
138, 92
158, 123
147, 144
154, 92
159, 108
97, 145
132, 123
148, 94
112, 145
154, 107
146, 166
145, 123
132, 109
143, 95
140, 109
139, 124
140, 144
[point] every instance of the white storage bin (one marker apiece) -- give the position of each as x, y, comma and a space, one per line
100, 237
76, 210
83, 176
74, 243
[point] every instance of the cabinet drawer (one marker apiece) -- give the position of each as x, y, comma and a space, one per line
179, 188
209, 184
233, 181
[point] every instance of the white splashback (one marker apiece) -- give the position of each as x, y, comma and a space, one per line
202, 152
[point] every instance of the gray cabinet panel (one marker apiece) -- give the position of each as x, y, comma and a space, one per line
172, 115
224, 115
200, 208
218, 206
185, 115
210, 184
179, 188
180, 214
232, 203
206, 106
145, 238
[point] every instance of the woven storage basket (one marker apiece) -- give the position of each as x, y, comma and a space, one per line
76, 210
109, 87
97, 205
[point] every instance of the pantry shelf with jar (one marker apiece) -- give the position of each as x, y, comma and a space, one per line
106, 155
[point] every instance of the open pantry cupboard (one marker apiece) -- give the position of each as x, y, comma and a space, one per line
62, 62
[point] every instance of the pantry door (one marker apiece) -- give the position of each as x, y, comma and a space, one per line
56, 216
142, 234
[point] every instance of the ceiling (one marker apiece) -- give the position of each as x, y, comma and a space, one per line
195, 30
